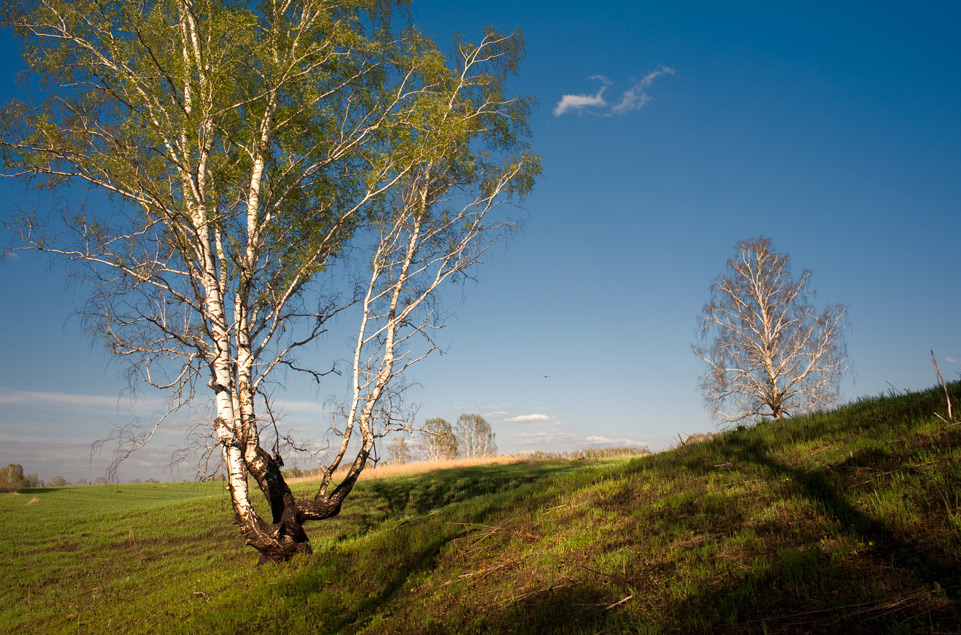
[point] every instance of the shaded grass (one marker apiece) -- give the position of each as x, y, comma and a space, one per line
841, 522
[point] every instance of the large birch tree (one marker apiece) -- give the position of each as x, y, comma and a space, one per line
249, 150
768, 350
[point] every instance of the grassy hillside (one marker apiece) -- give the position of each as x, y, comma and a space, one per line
847, 521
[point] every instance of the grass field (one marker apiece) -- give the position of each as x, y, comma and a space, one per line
842, 522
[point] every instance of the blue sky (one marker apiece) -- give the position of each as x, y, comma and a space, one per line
834, 130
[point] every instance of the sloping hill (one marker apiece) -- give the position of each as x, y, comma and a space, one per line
842, 522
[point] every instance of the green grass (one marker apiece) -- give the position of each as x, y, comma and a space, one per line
842, 522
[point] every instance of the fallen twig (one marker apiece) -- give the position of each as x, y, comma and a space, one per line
619, 602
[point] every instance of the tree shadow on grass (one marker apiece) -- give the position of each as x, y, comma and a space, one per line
895, 584
888, 547
379, 567
578, 608
432, 490
806, 591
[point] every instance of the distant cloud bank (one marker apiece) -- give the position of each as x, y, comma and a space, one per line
630, 100
629, 443
528, 418
10, 396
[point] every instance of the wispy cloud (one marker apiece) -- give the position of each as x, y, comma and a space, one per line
300, 407
636, 96
11, 397
543, 438
528, 418
953, 360
631, 99
554, 437
580, 102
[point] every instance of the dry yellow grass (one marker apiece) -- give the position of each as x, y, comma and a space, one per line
394, 469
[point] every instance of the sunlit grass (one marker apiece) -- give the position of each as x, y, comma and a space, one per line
842, 522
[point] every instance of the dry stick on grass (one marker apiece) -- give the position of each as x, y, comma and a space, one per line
947, 396
607, 606
514, 599
613, 576
476, 575
493, 529
610, 606
862, 609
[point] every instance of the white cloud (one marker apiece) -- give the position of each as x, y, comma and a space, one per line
580, 102
953, 360
597, 440
302, 407
528, 418
496, 413
632, 99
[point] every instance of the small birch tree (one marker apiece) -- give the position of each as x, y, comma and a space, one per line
249, 149
475, 438
440, 443
769, 351
398, 451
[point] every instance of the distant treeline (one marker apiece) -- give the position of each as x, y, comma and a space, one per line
12, 479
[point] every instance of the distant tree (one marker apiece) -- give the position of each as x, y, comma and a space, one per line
58, 481
399, 451
293, 472
440, 443
12, 478
475, 437
769, 352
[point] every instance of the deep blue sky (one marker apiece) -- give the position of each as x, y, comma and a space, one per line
834, 130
